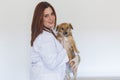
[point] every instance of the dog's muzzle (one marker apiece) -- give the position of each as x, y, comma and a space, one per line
65, 33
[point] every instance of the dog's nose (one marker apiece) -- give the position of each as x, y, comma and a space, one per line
65, 33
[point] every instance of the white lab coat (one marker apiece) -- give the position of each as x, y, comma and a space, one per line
49, 58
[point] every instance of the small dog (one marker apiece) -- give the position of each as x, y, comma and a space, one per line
64, 36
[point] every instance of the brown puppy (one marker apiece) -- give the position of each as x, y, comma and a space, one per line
64, 35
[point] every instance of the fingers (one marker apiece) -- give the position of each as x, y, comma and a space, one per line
74, 67
76, 62
75, 59
71, 61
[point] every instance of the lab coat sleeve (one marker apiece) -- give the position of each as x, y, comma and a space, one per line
35, 56
51, 56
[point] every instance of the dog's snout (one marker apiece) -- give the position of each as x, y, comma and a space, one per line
65, 33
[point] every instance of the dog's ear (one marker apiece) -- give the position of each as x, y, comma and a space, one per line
57, 27
70, 26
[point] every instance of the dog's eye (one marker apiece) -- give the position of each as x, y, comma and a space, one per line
62, 29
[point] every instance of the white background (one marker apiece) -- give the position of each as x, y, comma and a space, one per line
96, 31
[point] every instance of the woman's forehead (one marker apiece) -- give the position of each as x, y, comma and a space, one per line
48, 10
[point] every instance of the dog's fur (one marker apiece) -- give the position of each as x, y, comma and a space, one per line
64, 35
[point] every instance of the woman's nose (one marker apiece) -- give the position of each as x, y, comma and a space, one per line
50, 17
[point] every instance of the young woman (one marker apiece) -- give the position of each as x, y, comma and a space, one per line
48, 56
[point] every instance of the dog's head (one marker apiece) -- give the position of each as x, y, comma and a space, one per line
64, 29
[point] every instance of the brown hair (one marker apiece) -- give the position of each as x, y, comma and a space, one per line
37, 22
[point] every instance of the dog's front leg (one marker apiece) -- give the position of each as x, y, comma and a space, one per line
74, 47
67, 77
75, 75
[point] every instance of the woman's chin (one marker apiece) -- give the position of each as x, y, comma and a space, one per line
51, 26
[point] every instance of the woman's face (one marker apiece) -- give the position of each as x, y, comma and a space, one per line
49, 18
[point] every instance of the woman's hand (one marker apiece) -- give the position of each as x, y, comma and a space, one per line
76, 61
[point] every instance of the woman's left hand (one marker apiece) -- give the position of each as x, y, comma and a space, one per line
76, 61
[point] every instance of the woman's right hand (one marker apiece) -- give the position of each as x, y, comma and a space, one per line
76, 61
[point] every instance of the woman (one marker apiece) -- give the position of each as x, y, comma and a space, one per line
48, 56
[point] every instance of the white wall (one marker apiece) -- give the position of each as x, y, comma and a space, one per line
96, 31
15, 19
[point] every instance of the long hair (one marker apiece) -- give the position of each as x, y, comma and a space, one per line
37, 22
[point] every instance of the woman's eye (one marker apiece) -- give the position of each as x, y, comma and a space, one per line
46, 15
52, 14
